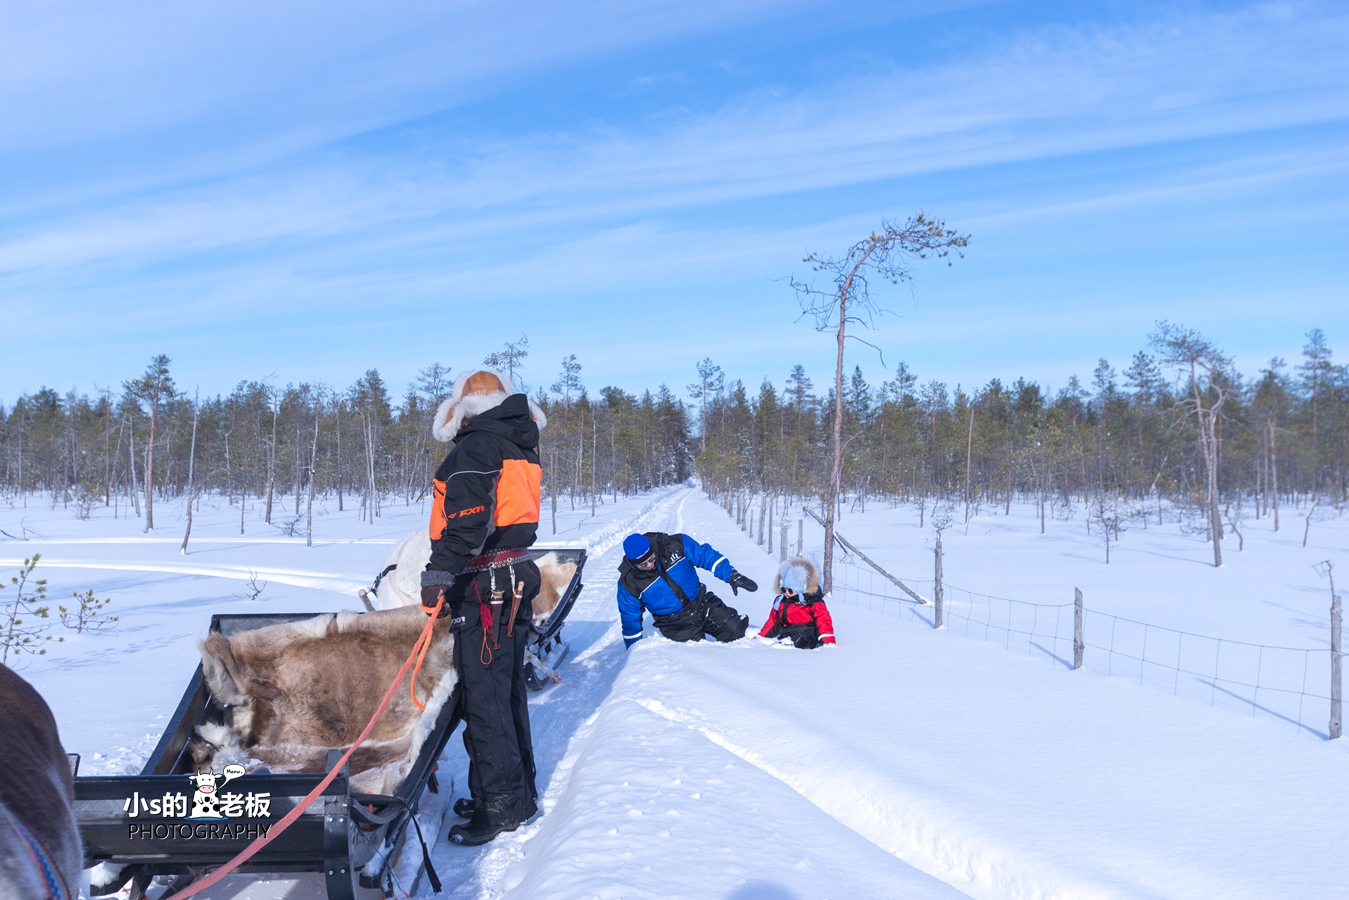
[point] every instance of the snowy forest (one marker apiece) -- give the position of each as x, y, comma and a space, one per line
1118, 444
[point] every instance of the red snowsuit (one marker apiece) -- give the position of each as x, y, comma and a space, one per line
786, 614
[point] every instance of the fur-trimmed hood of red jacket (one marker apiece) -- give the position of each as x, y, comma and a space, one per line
805, 574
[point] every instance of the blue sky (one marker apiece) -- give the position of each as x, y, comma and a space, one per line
306, 191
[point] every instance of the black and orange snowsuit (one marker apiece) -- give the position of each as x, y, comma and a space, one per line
487, 490
485, 514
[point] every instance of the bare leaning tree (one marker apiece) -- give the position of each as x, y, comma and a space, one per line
885, 254
1195, 358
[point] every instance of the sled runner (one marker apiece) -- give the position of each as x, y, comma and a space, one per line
172, 821
545, 649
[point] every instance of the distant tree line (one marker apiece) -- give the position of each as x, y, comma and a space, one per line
1180, 424
1179, 427
274, 449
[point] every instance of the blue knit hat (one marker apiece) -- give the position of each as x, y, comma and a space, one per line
636, 546
795, 579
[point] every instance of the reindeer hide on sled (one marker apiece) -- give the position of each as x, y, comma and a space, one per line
294, 691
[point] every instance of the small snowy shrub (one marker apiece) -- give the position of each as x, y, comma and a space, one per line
288, 526
21, 627
85, 501
88, 616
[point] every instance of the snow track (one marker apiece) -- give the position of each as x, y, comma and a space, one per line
177, 542
860, 793
292, 577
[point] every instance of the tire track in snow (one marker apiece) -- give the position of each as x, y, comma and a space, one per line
294, 577
294, 542
596, 544
612, 534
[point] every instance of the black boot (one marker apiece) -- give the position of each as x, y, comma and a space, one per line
465, 807
476, 832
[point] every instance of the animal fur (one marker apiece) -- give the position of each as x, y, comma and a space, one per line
554, 575
474, 392
297, 690
402, 586
810, 575
37, 794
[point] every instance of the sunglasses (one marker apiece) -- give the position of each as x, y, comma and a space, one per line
649, 564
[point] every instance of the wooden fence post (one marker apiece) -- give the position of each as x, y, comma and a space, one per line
800, 537
1336, 676
1077, 629
937, 592
782, 545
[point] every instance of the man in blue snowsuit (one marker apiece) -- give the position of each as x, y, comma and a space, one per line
657, 573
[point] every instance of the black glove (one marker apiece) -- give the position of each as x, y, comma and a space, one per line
740, 581
431, 596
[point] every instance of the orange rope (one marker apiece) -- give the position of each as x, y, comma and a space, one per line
423, 641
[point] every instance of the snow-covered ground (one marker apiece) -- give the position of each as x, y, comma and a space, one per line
905, 762
1266, 593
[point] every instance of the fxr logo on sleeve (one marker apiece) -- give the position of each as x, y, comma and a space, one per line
439, 518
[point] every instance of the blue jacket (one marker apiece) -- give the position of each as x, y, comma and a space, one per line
678, 554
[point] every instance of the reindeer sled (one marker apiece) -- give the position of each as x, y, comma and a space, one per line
276, 702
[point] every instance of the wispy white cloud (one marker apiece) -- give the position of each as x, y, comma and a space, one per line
348, 244
139, 93
1049, 93
1045, 93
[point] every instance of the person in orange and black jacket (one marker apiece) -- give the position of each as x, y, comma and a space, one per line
484, 517
799, 614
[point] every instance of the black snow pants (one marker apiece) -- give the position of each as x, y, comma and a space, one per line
493, 698
705, 614
805, 636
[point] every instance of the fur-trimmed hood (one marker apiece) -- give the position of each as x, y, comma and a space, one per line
806, 572
456, 411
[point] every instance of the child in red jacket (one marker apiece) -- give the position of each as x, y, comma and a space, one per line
799, 613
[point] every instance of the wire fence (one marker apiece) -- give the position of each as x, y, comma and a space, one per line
1290, 684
